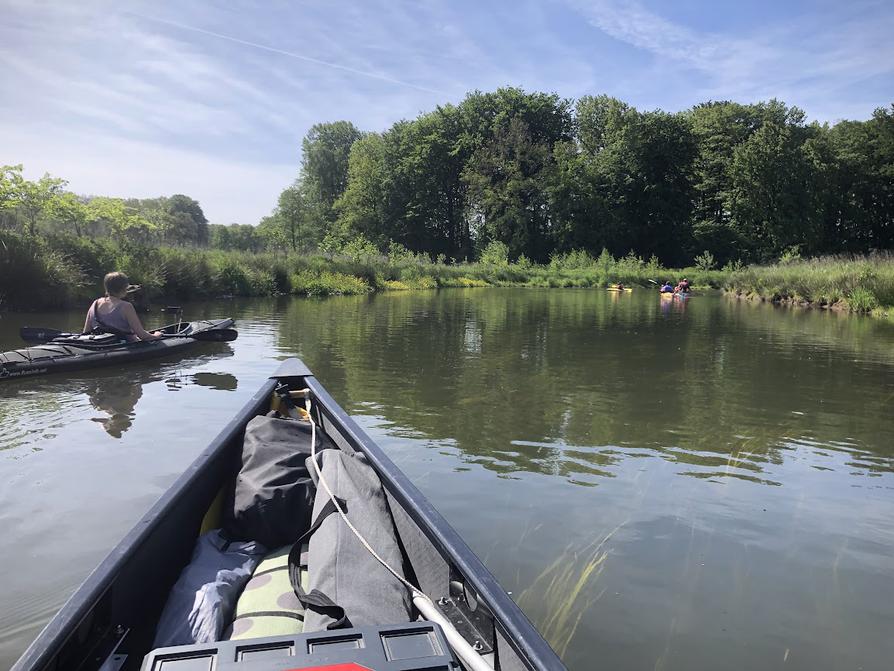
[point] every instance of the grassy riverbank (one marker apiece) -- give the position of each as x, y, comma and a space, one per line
862, 284
60, 271
63, 271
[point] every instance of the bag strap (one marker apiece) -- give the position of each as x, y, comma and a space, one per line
315, 599
271, 613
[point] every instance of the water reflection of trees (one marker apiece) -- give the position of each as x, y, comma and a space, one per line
575, 384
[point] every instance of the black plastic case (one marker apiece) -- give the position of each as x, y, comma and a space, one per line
419, 646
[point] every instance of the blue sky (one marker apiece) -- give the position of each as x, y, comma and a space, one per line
212, 99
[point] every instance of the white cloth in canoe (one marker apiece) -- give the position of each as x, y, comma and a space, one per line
201, 603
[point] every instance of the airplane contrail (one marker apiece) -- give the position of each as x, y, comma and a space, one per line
290, 54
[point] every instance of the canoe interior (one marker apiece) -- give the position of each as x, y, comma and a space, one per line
111, 618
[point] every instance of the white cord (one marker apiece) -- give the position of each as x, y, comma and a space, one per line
423, 603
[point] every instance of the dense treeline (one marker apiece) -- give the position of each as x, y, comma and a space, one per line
722, 182
541, 190
45, 207
543, 175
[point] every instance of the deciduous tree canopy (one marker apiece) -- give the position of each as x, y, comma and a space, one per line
541, 176
544, 176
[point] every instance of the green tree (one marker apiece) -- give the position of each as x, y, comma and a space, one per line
123, 221
238, 237
29, 199
771, 197
508, 188
324, 167
362, 207
577, 204
638, 172
291, 224
69, 212
271, 232
8, 176
862, 214
719, 127
509, 137
436, 163
185, 223
294, 216
407, 185
246, 238
220, 236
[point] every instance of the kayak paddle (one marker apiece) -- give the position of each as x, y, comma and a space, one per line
35, 334
213, 335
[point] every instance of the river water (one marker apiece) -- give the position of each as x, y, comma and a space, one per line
662, 485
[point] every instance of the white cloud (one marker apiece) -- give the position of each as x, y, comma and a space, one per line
291, 54
809, 61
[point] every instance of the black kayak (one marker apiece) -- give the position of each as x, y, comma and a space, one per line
67, 352
459, 616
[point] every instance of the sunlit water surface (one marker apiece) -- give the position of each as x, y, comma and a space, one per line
661, 485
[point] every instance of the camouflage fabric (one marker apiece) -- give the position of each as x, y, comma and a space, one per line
268, 605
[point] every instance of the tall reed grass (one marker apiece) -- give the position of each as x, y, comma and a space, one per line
859, 284
57, 271
566, 589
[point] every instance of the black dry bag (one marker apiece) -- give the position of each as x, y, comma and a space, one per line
273, 497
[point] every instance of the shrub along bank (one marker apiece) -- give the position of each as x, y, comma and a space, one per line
61, 271
856, 284
58, 271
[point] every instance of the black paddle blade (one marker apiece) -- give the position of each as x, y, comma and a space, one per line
215, 335
39, 334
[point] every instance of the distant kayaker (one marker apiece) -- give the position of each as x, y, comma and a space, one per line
620, 287
682, 287
113, 314
667, 287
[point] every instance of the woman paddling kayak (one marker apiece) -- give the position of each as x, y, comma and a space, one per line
113, 314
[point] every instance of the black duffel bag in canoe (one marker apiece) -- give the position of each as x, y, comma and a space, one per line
274, 494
